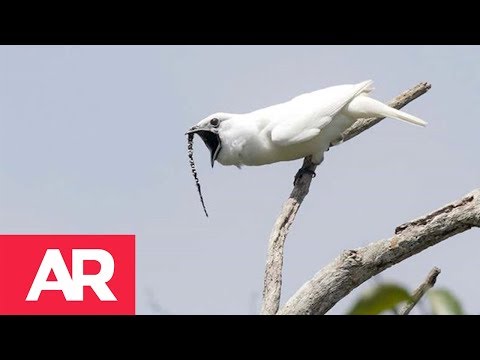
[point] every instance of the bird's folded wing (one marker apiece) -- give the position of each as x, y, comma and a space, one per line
303, 117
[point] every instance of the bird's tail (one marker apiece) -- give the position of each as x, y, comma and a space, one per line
364, 106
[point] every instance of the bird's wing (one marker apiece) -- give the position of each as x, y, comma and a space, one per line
303, 117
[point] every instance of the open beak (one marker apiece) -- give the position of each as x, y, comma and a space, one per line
211, 139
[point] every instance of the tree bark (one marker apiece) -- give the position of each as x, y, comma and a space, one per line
273, 270
353, 267
426, 285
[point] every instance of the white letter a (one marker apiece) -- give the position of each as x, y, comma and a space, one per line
53, 261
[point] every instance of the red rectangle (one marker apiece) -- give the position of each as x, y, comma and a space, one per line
67, 274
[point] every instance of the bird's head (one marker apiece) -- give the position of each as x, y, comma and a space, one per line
209, 130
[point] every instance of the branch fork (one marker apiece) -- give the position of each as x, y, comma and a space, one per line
354, 267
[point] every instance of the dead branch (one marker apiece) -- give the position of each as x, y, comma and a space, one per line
273, 270
353, 267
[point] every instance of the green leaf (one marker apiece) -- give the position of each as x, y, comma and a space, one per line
443, 302
379, 299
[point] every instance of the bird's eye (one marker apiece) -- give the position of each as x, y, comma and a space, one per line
214, 122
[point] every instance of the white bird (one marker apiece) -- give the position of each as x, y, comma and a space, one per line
306, 125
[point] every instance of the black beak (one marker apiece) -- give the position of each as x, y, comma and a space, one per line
211, 140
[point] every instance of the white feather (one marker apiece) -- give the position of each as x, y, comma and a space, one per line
306, 125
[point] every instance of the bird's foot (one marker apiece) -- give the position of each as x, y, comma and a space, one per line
301, 172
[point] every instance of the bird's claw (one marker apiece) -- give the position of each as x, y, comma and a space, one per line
302, 171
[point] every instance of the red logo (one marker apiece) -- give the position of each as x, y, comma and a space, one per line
67, 274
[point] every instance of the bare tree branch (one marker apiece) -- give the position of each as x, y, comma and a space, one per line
353, 267
426, 285
273, 270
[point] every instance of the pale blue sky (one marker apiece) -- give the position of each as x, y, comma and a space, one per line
92, 141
